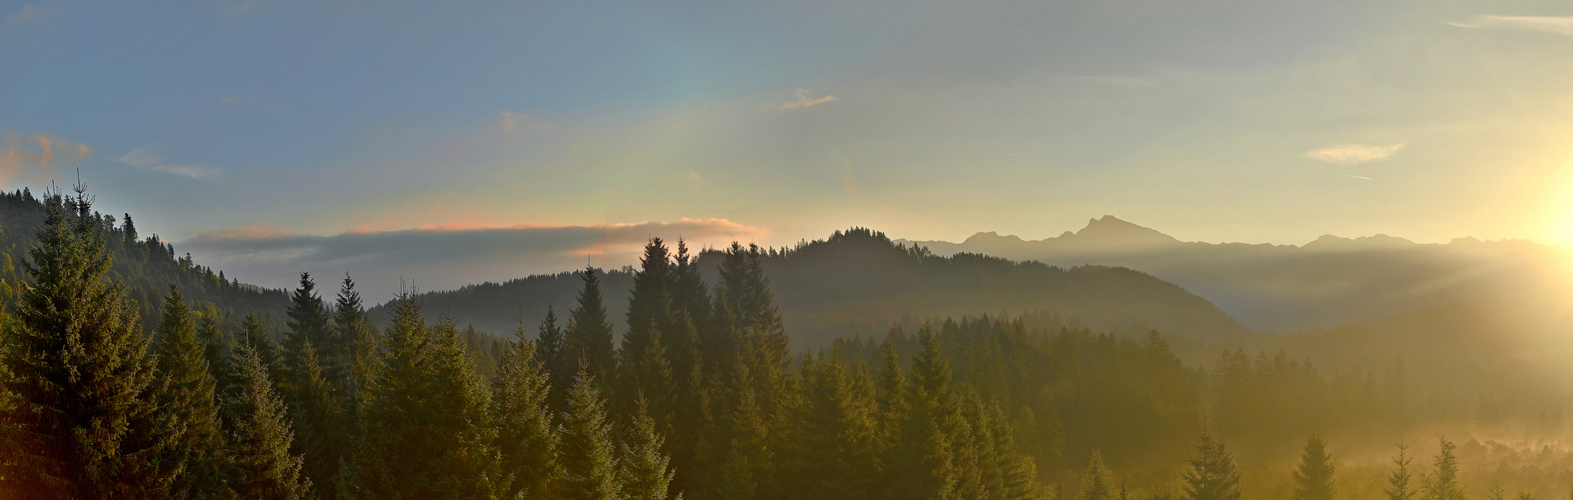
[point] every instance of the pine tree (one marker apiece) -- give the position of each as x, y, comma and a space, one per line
1442, 482
588, 455
588, 340
832, 450
645, 471
1213, 475
526, 440
81, 421
429, 433
216, 350
317, 418
261, 437
551, 350
922, 464
1097, 482
251, 333
1313, 478
308, 322
189, 398
354, 348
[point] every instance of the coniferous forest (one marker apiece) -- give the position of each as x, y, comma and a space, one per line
116, 389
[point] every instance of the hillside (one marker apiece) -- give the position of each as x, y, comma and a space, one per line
145, 265
860, 281
1326, 283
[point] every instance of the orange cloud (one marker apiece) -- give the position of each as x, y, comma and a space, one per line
259, 231
41, 150
804, 101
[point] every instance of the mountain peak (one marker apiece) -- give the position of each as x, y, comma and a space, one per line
1111, 229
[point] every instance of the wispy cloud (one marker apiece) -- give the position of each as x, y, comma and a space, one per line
805, 100
518, 120
150, 159
1549, 24
27, 12
445, 255
41, 150
1116, 81
1350, 154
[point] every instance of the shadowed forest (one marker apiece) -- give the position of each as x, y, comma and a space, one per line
131, 372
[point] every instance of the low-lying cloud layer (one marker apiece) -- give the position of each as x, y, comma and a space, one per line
444, 258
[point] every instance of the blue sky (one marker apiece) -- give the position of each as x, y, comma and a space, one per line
265, 136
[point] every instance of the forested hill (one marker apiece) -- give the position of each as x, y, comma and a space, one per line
859, 282
145, 265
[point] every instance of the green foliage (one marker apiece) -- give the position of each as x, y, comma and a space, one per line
1398, 487
1313, 477
1097, 482
644, 471
261, 438
80, 418
588, 339
188, 397
526, 441
589, 457
1442, 482
1213, 475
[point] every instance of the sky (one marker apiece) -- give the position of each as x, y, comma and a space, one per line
462, 142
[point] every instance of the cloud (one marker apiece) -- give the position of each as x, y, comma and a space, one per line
27, 12
444, 256
1350, 154
41, 150
512, 120
804, 101
148, 158
1549, 24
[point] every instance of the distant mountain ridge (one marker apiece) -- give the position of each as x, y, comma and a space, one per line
858, 280
1327, 282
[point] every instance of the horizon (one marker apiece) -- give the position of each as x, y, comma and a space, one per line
1276, 124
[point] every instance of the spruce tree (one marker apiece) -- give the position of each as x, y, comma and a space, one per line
81, 421
1213, 475
317, 419
354, 348
552, 351
832, 448
526, 440
1313, 478
1097, 482
645, 470
260, 437
189, 398
588, 340
923, 462
1442, 482
308, 322
216, 347
589, 458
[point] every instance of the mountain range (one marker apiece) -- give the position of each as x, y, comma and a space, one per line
1325, 283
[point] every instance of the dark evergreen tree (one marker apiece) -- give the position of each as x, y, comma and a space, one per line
1313, 478
353, 348
308, 323
589, 457
922, 463
260, 437
1213, 475
551, 350
189, 398
526, 440
317, 418
81, 420
833, 445
588, 340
